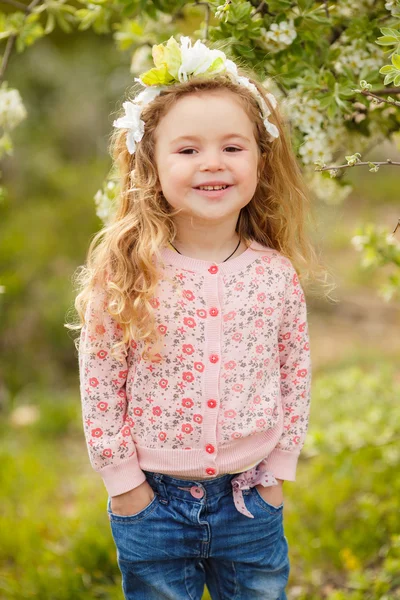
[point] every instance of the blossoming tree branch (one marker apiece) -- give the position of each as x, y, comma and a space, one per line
334, 68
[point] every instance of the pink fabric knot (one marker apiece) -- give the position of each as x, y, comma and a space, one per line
244, 481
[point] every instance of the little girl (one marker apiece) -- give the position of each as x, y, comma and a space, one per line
194, 353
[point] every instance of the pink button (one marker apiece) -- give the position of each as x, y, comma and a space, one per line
196, 492
213, 269
214, 311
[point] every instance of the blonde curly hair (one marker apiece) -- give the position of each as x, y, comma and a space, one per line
120, 258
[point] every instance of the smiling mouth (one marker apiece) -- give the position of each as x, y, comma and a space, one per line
212, 188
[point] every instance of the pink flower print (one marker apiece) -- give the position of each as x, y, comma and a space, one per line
100, 329
93, 382
189, 322
306, 346
162, 329
260, 270
123, 374
294, 419
201, 313
268, 311
261, 297
237, 387
187, 402
188, 376
283, 375
295, 279
281, 347
230, 315
230, 365
102, 354
154, 302
237, 337
236, 435
133, 345
259, 322
259, 349
121, 394
257, 399
187, 428
107, 452
188, 294
197, 418
102, 405
199, 366
260, 423
267, 411
188, 348
266, 259
302, 327
286, 336
230, 414
98, 432
302, 372
138, 411
239, 286
296, 439
126, 431
157, 411
259, 375
130, 422
163, 383
162, 436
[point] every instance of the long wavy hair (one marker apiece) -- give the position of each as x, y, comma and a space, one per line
121, 255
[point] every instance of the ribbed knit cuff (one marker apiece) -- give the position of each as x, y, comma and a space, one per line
282, 463
121, 478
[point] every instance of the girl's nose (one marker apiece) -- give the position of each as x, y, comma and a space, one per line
213, 161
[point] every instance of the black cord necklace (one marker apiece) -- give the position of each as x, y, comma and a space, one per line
223, 260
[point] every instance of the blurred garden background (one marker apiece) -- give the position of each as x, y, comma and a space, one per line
342, 517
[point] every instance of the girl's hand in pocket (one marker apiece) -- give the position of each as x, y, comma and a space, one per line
273, 494
133, 501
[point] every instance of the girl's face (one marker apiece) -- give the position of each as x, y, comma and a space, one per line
207, 138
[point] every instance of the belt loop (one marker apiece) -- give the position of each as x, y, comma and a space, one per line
162, 490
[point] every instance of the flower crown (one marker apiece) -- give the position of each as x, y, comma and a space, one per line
177, 63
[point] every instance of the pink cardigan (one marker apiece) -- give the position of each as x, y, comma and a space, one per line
234, 385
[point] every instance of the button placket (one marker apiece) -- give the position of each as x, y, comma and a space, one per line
213, 332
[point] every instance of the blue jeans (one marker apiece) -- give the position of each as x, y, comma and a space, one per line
186, 538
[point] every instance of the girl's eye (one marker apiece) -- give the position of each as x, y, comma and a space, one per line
193, 150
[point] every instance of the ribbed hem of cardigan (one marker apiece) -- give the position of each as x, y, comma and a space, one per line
283, 464
229, 458
123, 477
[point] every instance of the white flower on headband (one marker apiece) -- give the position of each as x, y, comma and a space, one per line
198, 59
175, 64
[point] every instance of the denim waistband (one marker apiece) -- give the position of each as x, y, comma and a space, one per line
166, 484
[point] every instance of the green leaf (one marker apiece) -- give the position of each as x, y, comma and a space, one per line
389, 78
386, 40
396, 60
389, 31
386, 69
397, 81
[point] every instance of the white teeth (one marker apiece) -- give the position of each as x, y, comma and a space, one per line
212, 187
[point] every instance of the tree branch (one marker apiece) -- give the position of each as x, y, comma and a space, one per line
380, 100
388, 161
208, 12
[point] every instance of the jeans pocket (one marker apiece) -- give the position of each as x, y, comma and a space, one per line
270, 508
142, 514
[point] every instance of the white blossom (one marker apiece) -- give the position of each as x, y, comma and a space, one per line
279, 36
12, 110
